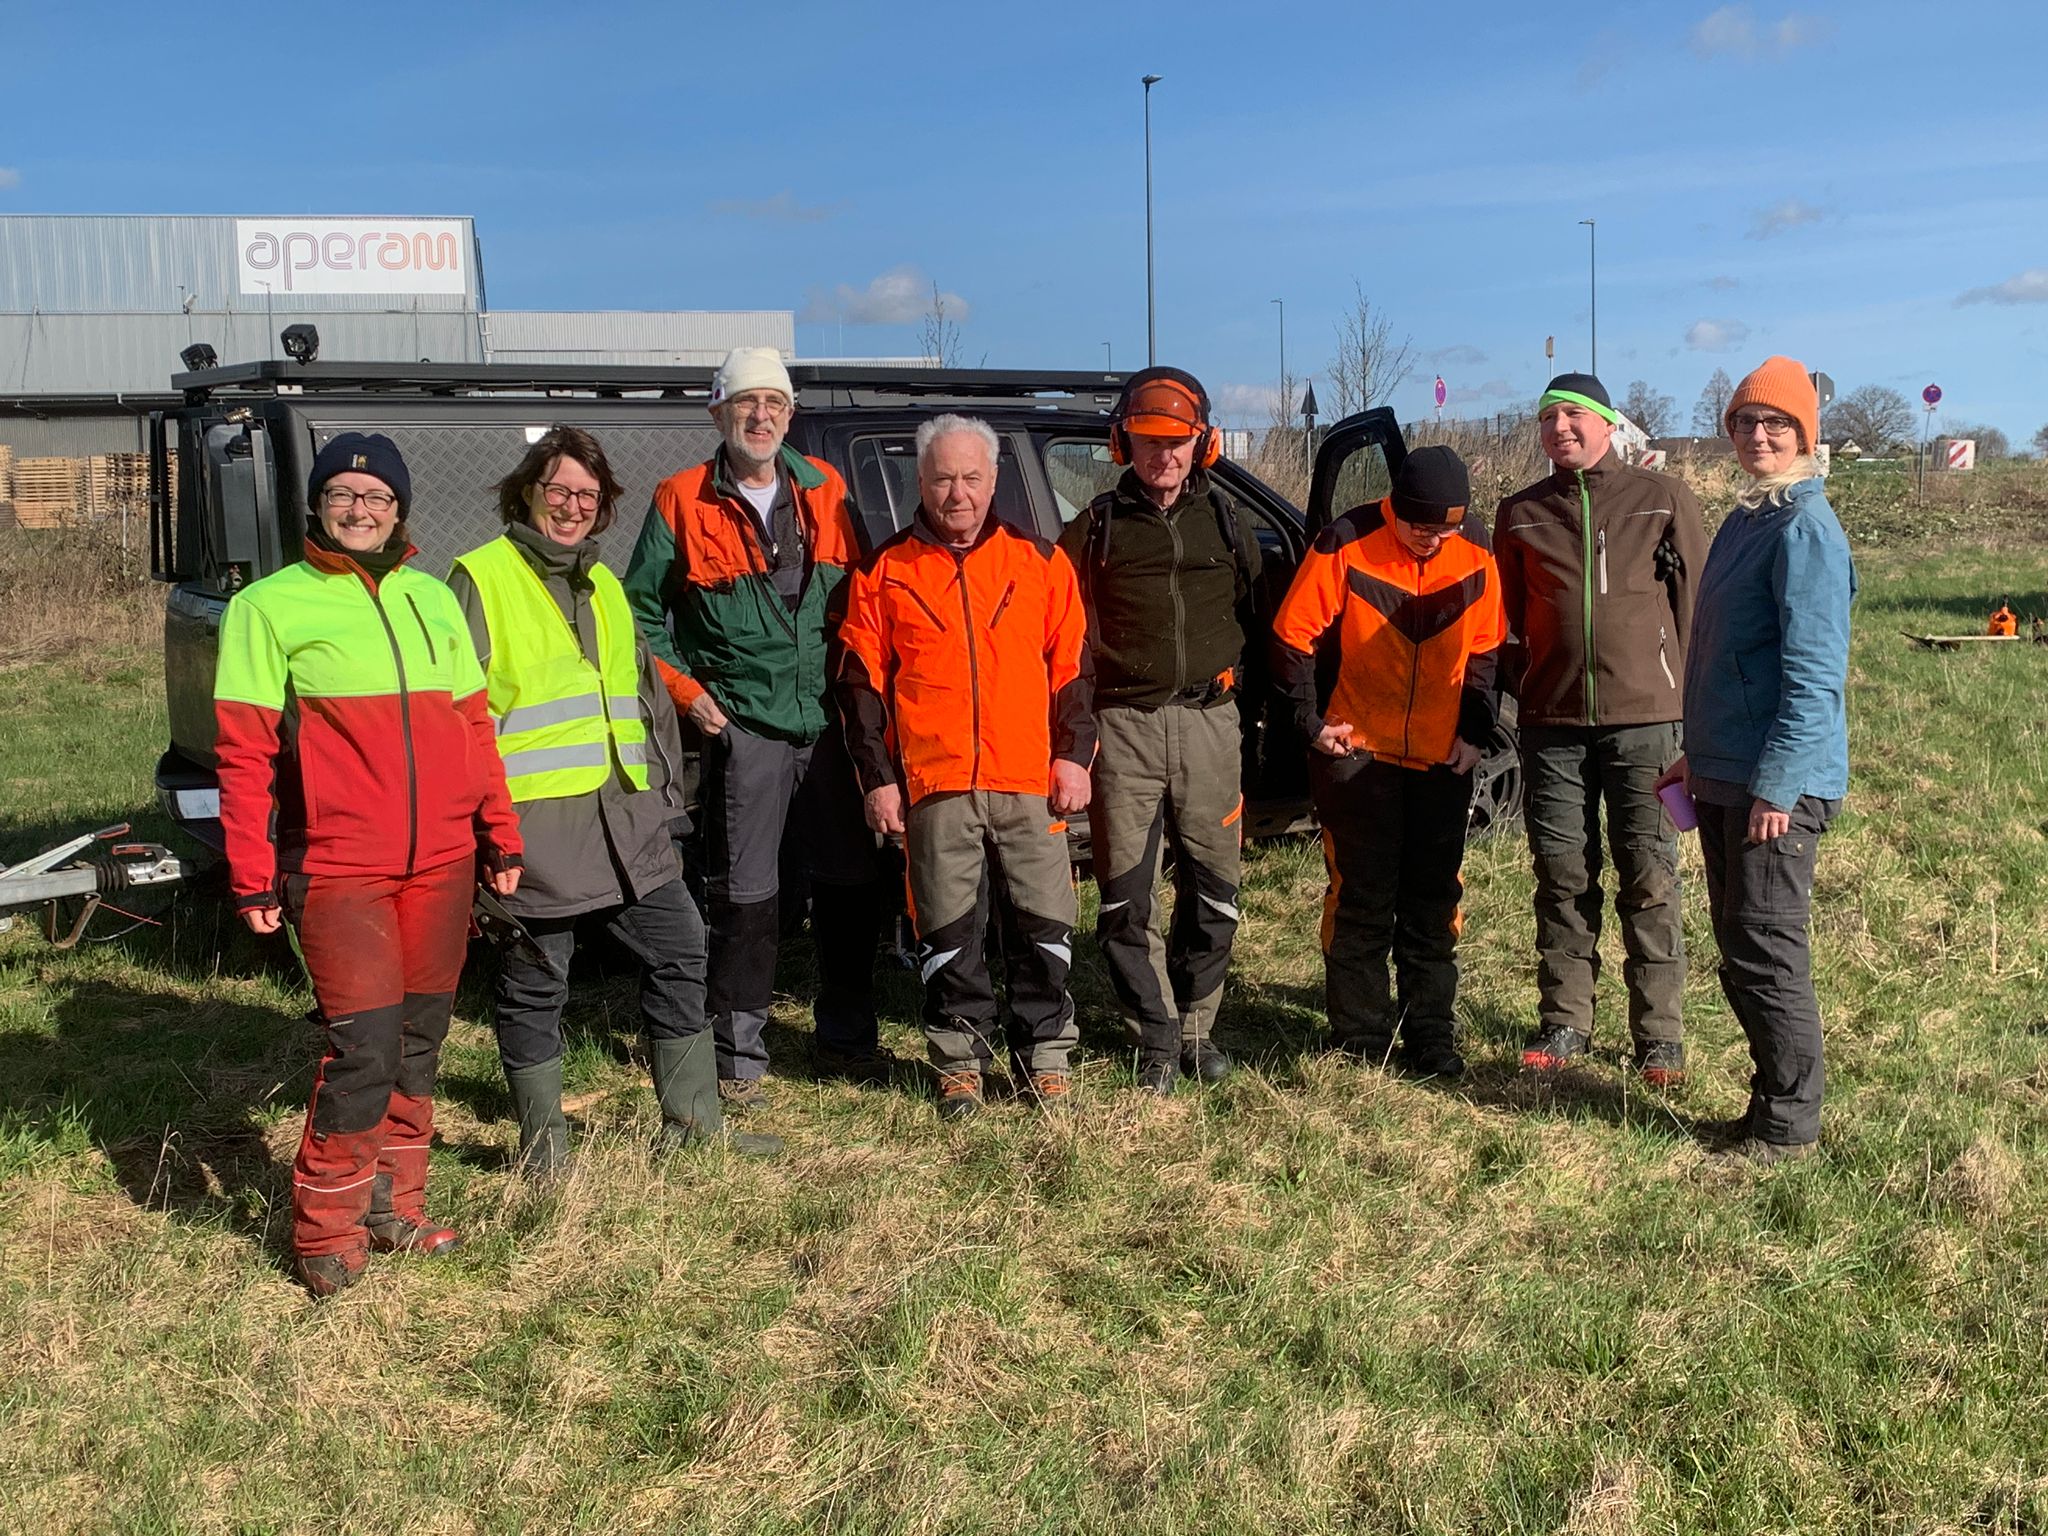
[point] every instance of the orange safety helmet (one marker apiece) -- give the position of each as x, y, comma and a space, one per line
1163, 402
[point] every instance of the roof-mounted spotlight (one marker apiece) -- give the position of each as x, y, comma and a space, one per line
199, 357
301, 342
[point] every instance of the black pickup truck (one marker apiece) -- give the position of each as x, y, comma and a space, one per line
240, 445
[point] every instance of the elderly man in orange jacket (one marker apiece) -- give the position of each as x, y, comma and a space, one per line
1417, 614
964, 681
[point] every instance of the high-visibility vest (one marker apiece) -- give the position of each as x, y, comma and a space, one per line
564, 726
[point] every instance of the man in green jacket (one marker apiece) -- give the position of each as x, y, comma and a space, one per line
742, 555
1598, 561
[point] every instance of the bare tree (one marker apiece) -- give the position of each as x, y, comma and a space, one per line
1874, 417
1708, 415
938, 337
1991, 443
2041, 442
1656, 414
1369, 364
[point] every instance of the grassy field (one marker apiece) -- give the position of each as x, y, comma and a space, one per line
1318, 1299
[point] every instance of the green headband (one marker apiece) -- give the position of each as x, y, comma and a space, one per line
1552, 397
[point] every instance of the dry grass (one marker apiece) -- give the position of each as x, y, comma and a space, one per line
74, 593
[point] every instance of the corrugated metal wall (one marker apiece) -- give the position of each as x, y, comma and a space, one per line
140, 263
629, 337
74, 437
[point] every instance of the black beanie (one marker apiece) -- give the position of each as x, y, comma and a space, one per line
370, 453
1579, 388
1432, 487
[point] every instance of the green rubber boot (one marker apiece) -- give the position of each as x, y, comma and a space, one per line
543, 1130
686, 1086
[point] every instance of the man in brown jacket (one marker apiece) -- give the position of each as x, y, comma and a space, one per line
1597, 566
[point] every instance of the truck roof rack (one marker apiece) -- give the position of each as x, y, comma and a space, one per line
846, 383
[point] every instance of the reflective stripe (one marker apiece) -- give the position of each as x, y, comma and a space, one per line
553, 759
533, 717
632, 753
625, 707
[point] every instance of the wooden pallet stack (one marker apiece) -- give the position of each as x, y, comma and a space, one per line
6, 486
48, 492
116, 483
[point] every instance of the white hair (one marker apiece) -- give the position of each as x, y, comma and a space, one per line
932, 428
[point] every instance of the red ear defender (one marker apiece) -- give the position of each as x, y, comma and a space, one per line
1170, 400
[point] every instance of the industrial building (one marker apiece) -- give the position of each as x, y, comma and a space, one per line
96, 310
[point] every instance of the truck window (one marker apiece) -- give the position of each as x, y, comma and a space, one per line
1080, 471
884, 477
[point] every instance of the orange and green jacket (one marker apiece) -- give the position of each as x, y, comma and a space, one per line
700, 559
352, 733
965, 669
1417, 641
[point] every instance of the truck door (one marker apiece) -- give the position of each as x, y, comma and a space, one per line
1355, 464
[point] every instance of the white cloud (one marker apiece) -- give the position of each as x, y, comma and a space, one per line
782, 208
1721, 282
1781, 216
1492, 389
1716, 335
10, 178
1257, 404
1460, 356
1733, 31
900, 296
2030, 287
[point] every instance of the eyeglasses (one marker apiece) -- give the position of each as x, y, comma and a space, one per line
759, 405
561, 496
336, 499
1746, 422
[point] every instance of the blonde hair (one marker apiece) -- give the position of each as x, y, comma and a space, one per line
1769, 490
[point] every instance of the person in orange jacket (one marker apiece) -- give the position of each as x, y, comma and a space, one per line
965, 683
1418, 626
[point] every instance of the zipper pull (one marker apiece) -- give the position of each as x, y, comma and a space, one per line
1603, 561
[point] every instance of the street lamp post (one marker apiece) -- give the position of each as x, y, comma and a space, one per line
1593, 282
1151, 326
1286, 406
1108, 359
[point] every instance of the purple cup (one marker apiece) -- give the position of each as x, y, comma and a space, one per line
1678, 801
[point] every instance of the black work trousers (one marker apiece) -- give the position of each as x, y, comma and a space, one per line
662, 930
1761, 897
1394, 841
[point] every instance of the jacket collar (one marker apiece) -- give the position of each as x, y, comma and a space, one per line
334, 562
921, 528
1131, 497
1568, 479
789, 464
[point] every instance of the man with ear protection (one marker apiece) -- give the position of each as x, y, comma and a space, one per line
1167, 565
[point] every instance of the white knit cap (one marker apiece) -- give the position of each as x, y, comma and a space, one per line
748, 368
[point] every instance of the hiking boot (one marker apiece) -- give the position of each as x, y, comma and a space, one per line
1053, 1090
1158, 1076
959, 1095
325, 1274
1767, 1154
1553, 1047
1720, 1135
1662, 1063
1204, 1062
1432, 1058
394, 1231
869, 1067
741, 1095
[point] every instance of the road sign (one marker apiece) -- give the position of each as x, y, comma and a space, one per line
1962, 453
1932, 395
1651, 458
1308, 402
1442, 394
1823, 389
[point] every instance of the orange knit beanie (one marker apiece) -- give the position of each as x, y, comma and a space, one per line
1782, 384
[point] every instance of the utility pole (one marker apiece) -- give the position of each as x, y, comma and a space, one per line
1593, 280
1151, 312
1286, 405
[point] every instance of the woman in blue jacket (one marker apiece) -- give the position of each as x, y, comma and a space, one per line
1767, 744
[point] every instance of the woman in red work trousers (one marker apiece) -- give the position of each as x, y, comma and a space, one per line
359, 777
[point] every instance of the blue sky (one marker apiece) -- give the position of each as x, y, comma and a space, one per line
1862, 186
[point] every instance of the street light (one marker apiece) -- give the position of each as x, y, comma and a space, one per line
1286, 409
1108, 360
1151, 326
1593, 280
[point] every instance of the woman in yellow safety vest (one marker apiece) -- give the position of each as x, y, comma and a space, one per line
592, 756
